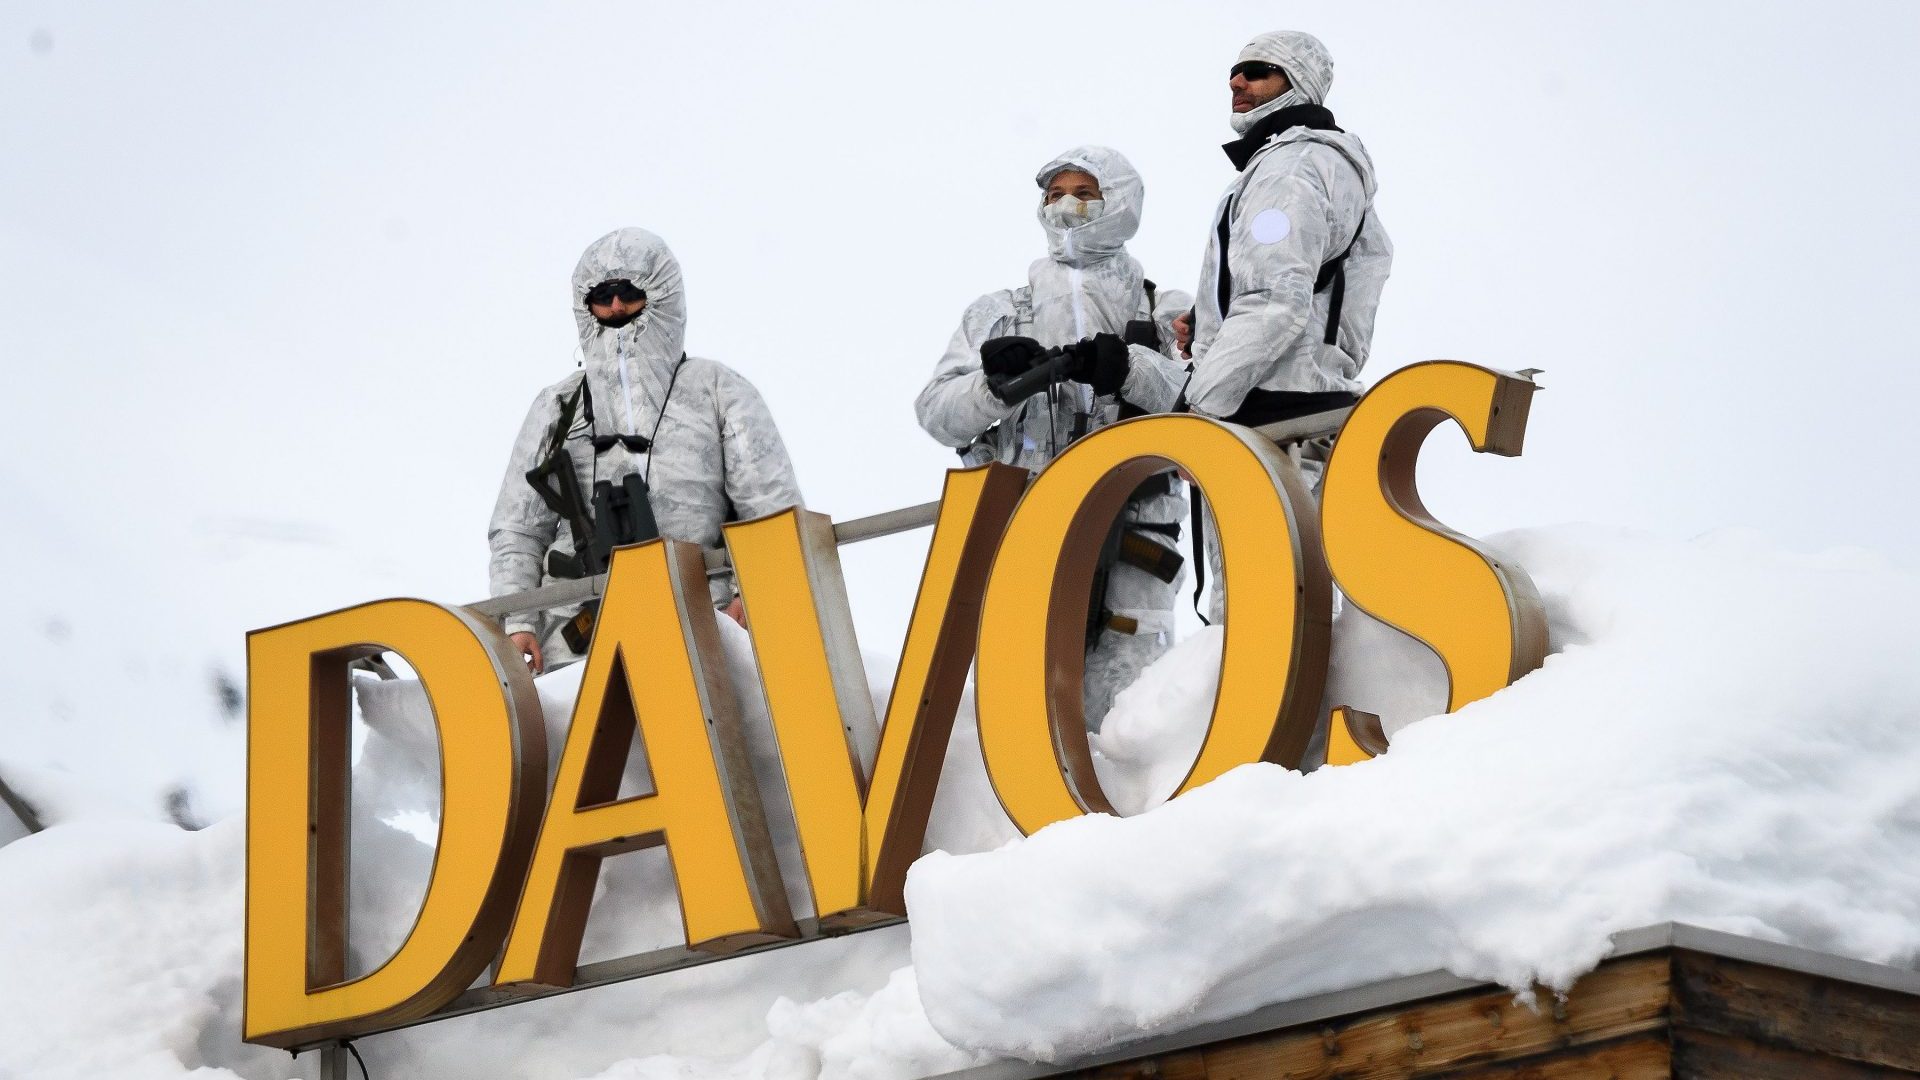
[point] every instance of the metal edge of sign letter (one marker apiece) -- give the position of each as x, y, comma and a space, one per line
943, 628
726, 732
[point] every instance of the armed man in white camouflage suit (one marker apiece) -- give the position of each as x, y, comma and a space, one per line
694, 432
1082, 295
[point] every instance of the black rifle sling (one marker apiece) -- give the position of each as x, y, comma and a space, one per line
563, 423
546, 476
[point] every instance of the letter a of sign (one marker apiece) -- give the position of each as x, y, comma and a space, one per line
655, 665
1272, 671
493, 757
1479, 613
859, 838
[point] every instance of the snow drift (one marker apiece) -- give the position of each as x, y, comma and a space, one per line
1725, 737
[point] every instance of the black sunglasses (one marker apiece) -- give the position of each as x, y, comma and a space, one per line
635, 444
607, 292
1255, 70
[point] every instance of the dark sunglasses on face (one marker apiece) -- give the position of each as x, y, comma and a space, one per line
621, 289
635, 444
1254, 70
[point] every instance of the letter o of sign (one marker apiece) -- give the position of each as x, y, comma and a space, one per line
1033, 622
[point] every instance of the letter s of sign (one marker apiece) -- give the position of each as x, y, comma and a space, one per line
1477, 612
493, 769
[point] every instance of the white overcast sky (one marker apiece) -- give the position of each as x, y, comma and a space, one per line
277, 281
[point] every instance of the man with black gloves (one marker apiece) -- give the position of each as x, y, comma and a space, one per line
1078, 347
1297, 255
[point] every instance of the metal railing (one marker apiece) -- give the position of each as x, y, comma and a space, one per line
886, 523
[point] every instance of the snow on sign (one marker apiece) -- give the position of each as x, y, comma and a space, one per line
513, 879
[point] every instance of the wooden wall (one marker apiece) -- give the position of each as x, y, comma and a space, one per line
1670, 1013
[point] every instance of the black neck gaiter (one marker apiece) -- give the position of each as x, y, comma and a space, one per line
1241, 150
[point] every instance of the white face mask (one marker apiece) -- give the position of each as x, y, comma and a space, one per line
1067, 211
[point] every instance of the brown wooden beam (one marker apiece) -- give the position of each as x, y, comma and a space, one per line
1438, 1037
1754, 1004
1670, 1012
1642, 1057
1700, 1055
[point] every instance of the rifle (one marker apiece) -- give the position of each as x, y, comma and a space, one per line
619, 516
559, 487
1131, 545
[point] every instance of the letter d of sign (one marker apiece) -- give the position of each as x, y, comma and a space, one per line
1032, 631
493, 771
1480, 614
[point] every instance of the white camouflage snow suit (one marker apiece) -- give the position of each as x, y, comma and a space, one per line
1303, 197
1087, 285
1301, 207
715, 453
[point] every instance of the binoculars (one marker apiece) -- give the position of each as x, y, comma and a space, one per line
1059, 363
621, 515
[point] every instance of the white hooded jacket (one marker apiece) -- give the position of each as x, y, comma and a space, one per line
716, 454
1303, 198
1086, 285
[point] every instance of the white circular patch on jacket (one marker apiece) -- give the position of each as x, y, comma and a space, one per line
1271, 226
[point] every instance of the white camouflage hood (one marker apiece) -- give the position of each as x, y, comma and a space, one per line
637, 359
1120, 189
1088, 284
1309, 68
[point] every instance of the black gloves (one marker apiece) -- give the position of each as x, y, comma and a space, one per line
1005, 357
1101, 362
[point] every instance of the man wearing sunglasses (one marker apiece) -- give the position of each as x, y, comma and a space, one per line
695, 434
1297, 255
999, 395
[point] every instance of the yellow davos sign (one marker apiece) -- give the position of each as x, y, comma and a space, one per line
515, 869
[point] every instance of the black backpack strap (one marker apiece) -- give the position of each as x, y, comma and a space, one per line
1197, 523
1223, 232
1334, 273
